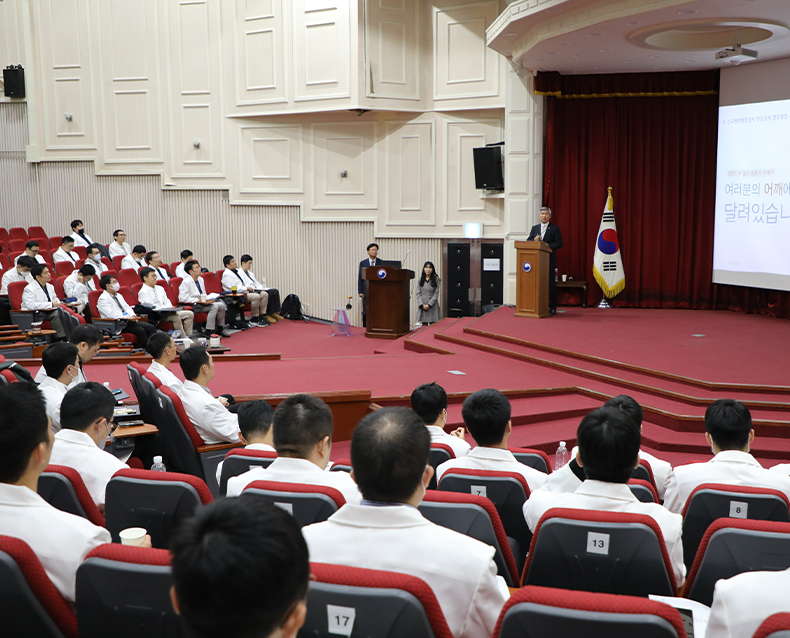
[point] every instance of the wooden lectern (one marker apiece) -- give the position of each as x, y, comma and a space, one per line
532, 279
387, 301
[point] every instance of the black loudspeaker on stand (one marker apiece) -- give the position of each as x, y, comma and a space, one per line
14, 81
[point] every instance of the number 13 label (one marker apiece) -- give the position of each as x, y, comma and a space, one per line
341, 619
597, 543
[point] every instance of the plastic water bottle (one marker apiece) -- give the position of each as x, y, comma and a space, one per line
556, 274
107, 385
561, 456
158, 466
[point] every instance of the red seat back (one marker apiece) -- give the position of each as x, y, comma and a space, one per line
533, 458
307, 503
5, 263
116, 262
647, 487
182, 415
82, 251
212, 283
58, 283
15, 290
54, 243
128, 277
64, 268
84, 498
93, 300
4, 236
17, 245
772, 625
37, 233
18, 233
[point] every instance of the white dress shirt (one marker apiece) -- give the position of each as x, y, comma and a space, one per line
211, 419
34, 297
12, 275
290, 470
612, 497
78, 450
131, 262
249, 279
38, 258
489, 458
109, 309
98, 266
459, 446
230, 279
743, 602
81, 240
460, 570
42, 374
252, 446
62, 255
59, 540
188, 291
180, 272
53, 391
116, 249
73, 288
161, 273
153, 297
166, 376
729, 467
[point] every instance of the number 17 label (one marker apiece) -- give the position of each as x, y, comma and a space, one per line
341, 619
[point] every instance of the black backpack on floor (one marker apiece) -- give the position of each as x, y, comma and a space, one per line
292, 308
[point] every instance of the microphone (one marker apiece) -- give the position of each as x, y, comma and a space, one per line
405, 258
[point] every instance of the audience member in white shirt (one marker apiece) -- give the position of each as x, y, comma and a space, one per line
94, 259
231, 278
135, 260
571, 475
88, 340
155, 297
729, 433
255, 428
154, 261
20, 272
609, 451
487, 415
264, 570
32, 249
66, 251
163, 349
87, 422
112, 305
186, 256
211, 419
79, 284
59, 540
192, 290
78, 234
40, 295
270, 309
303, 441
743, 602
119, 247
386, 531
61, 361
429, 401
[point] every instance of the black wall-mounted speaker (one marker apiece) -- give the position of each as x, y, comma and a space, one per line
14, 81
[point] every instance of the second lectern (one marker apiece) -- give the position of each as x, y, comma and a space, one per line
387, 301
532, 279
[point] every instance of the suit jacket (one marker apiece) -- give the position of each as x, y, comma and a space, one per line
553, 236
365, 263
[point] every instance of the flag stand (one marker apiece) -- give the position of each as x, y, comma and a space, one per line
604, 303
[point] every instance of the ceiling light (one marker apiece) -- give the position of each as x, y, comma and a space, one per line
594, 35
687, 12
690, 61
632, 24
655, 57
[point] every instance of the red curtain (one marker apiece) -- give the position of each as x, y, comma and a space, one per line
658, 153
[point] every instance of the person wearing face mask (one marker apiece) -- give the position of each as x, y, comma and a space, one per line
87, 423
111, 305
94, 259
61, 363
78, 234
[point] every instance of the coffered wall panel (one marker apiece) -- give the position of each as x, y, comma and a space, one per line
260, 53
392, 49
271, 158
12, 46
409, 155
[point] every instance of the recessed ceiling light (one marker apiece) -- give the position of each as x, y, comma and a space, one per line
687, 12
632, 24
594, 35
690, 61
605, 50
655, 57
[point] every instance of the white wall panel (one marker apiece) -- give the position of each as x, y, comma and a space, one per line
392, 49
12, 46
260, 58
410, 174
271, 158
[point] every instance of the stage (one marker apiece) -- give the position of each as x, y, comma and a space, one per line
674, 362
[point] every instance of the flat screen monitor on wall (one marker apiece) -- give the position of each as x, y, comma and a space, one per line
488, 168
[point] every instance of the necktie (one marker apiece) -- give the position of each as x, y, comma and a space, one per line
236, 272
197, 283
160, 273
115, 298
247, 272
46, 292
71, 257
139, 263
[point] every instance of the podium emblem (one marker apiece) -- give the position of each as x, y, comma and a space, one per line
526, 266
382, 274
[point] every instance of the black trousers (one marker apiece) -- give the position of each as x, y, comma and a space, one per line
274, 301
143, 331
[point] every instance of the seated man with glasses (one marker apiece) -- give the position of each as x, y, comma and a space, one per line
86, 420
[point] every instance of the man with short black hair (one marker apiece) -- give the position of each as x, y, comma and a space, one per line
79, 284
20, 272
609, 451
430, 401
192, 290
240, 570
135, 259
232, 276
66, 251
186, 256
729, 433
59, 540
487, 415
154, 261
60, 360
94, 259
303, 441
163, 350
32, 249
119, 247
87, 422
211, 419
255, 425
88, 340
549, 233
235, 305
269, 311
370, 262
112, 305
155, 298
78, 234
40, 295
386, 531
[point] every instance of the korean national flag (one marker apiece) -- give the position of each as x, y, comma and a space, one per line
608, 263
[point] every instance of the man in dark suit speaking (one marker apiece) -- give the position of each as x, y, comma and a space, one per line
372, 260
551, 234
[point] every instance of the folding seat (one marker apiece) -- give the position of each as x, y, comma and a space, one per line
440, 452
212, 283
54, 243
306, 503
63, 488
508, 491
239, 460
643, 490
18, 233
775, 626
383, 604
710, 501
124, 592
30, 604
4, 236
732, 546
128, 277
476, 517
644, 472
58, 283
82, 251
156, 501
5, 264
17, 245
144, 390
111, 325
116, 262
537, 459
173, 266
606, 552
23, 318
64, 268
164, 325
172, 292
106, 261
11, 258
536, 612
341, 465
37, 233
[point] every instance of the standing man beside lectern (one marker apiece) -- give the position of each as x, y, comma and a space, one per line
372, 260
551, 235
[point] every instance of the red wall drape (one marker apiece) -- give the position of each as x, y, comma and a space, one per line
658, 154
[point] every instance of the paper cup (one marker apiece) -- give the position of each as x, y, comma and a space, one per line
565, 277
133, 536
214, 342
202, 298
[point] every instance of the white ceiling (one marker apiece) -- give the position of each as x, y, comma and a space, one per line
595, 36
